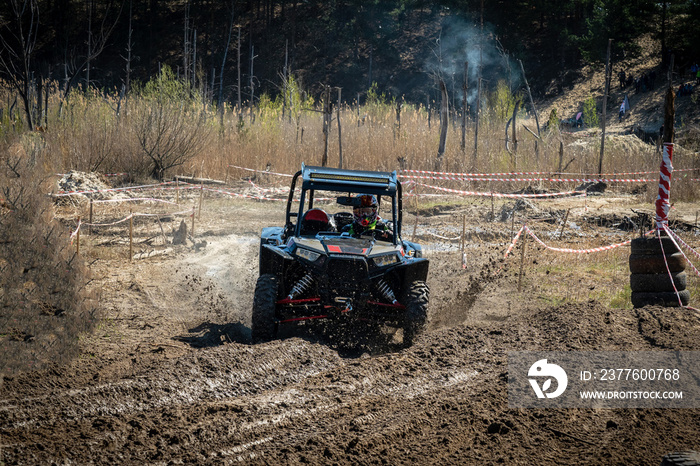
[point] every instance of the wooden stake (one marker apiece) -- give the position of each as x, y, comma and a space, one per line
493, 212
415, 225
131, 235
177, 191
192, 229
162, 232
90, 223
563, 225
522, 260
512, 223
77, 236
464, 232
201, 195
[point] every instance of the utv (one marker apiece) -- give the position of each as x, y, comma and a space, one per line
311, 269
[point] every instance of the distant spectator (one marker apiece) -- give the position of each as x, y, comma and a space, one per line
623, 78
693, 70
622, 111
697, 77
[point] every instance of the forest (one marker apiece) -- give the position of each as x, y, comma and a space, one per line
235, 51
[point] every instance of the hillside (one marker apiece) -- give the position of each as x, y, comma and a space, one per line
646, 107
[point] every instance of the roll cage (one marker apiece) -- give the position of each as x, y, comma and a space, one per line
343, 181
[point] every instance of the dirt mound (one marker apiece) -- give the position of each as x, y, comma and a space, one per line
82, 185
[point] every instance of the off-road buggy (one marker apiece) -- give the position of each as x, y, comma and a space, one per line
311, 269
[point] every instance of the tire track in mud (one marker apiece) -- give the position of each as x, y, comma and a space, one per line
268, 395
206, 375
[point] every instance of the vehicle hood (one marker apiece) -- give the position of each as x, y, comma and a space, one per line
357, 246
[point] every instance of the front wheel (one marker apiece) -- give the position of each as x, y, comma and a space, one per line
416, 314
264, 321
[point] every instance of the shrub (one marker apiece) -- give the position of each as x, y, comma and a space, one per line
43, 303
590, 113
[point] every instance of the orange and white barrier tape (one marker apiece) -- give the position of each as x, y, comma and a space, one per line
133, 199
474, 193
261, 171
577, 251
74, 234
675, 238
574, 180
428, 172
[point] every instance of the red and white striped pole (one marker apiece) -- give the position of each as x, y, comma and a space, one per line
663, 203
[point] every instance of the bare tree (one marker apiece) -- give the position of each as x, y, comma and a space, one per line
97, 42
170, 134
17, 42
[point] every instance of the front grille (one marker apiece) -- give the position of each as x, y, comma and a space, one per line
347, 275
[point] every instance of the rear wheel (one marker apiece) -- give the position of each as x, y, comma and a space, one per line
264, 322
416, 314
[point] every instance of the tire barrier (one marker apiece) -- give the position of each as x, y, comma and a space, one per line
661, 298
657, 274
652, 263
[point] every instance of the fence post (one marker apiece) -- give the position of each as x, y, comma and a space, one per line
77, 236
90, 222
192, 229
415, 225
177, 191
201, 195
131, 234
522, 260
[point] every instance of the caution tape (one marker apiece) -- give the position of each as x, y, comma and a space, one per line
137, 214
428, 172
675, 237
133, 199
443, 237
577, 251
474, 193
74, 234
574, 180
261, 171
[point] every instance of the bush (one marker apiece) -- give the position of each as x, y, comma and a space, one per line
43, 303
590, 113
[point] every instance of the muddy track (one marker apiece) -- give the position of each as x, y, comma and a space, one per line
171, 377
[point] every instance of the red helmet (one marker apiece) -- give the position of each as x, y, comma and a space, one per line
365, 211
314, 221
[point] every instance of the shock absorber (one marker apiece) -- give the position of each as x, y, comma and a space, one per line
302, 285
386, 291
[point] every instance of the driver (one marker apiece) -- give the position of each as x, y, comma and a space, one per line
366, 218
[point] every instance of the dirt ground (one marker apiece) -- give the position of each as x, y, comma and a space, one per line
170, 375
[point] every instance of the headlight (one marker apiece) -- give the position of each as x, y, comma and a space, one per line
383, 261
306, 254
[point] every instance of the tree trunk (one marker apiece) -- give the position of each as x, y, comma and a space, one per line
465, 107
444, 110
340, 138
605, 104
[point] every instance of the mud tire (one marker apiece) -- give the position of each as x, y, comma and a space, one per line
661, 298
650, 282
681, 458
416, 313
650, 245
655, 263
264, 322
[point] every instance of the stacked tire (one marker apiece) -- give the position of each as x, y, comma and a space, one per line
649, 277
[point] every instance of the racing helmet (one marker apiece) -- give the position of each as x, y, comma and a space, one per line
365, 210
315, 221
